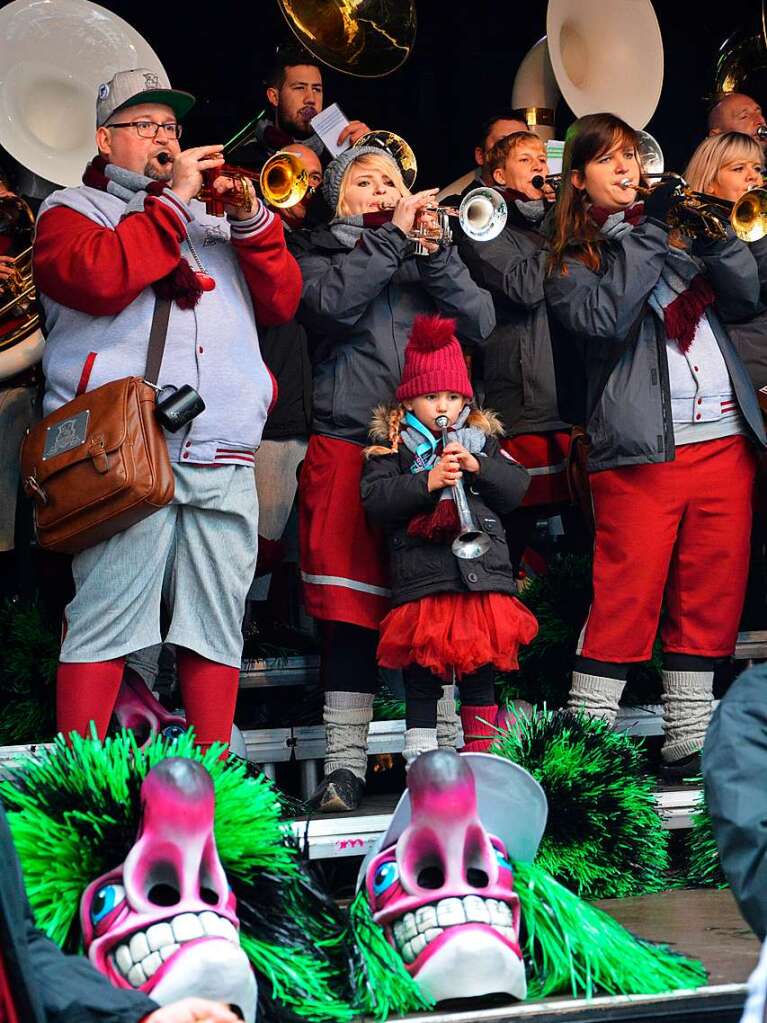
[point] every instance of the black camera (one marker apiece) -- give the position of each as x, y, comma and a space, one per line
177, 406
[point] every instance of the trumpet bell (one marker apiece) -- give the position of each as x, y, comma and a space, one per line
471, 544
397, 148
284, 180
749, 215
482, 214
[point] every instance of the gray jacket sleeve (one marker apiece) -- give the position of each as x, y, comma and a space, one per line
501, 266
733, 274
338, 294
447, 280
604, 305
734, 768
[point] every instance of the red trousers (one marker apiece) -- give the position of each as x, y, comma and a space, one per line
679, 529
544, 455
344, 565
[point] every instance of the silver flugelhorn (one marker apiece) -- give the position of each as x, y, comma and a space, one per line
471, 542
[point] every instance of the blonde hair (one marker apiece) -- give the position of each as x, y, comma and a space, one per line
510, 144
372, 161
714, 153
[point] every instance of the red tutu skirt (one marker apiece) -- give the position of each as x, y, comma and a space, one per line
460, 631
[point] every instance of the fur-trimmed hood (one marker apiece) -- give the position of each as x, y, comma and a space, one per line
483, 419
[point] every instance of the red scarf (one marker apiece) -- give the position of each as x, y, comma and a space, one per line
7, 1010
181, 285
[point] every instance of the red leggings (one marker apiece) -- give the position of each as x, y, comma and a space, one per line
87, 693
679, 529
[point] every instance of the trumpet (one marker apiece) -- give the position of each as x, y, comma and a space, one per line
471, 541
699, 214
283, 182
482, 216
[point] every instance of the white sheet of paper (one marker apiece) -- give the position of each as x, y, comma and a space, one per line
328, 124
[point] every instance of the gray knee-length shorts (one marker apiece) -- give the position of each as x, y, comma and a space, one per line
197, 555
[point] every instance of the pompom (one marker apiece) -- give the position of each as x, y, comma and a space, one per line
430, 333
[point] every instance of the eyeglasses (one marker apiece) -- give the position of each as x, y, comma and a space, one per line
149, 129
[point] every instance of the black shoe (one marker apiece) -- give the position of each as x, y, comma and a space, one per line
340, 792
681, 772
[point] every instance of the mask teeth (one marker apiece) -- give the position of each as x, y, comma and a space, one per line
139, 957
414, 931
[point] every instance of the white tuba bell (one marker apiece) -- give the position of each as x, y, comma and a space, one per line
600, 57
53, 58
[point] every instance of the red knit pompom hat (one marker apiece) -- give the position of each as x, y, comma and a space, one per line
433, 360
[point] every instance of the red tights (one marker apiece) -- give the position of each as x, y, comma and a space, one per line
87, 692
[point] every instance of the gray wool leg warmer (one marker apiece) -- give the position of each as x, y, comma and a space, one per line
347, 718
418, 741
595, 695
447, 719
688, 697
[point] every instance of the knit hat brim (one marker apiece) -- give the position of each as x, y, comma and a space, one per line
452, 380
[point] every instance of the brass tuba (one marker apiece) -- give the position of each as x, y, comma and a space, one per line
21, 340
400, 151
740, 54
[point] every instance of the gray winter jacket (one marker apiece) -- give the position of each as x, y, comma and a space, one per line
621, 393
518, 363
358, 306
734, 768
750, 337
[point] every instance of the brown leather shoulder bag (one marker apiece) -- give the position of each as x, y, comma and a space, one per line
100, 463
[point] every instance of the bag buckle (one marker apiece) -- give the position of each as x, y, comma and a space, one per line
99, 457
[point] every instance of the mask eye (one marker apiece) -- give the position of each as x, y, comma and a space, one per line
502, 859
385, 877
105, 900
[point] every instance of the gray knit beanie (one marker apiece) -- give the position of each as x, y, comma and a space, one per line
331, 181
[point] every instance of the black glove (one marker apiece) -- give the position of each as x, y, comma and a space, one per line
660, 201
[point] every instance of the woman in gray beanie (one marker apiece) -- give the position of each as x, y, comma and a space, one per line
363, 287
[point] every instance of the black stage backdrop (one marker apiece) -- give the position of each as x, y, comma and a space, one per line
462, 68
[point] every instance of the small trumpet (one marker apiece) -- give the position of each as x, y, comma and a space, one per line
471, 541
482, 216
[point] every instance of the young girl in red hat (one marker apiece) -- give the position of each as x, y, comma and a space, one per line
451, 616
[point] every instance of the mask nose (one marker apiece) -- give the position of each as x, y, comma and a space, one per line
174, 862
445, 846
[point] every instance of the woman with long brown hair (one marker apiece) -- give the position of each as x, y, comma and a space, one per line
646, 365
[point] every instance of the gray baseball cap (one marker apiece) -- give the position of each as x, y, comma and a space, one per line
141, 85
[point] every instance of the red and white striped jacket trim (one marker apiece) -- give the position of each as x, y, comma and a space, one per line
173, 202
235, 456
261, 220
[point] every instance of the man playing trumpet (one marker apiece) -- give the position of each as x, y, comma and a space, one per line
104, 253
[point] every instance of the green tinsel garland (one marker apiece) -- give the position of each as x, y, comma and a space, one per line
560, 601
30, 651
74, 815
572, 947
605, 837
703, 867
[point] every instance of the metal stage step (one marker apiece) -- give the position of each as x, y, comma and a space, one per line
327, 836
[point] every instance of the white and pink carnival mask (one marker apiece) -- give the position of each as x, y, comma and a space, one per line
441, 883
165, 921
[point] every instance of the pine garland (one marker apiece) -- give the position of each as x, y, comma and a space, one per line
605, 837
30, 650
704, 869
